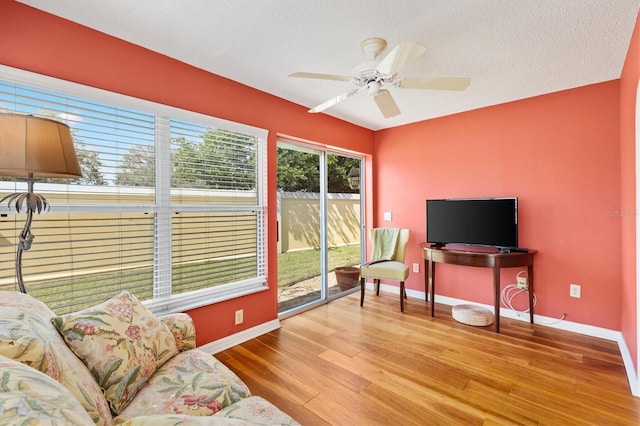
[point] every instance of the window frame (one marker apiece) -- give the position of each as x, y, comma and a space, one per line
162, 207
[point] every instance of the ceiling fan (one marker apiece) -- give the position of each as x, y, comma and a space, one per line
374, 77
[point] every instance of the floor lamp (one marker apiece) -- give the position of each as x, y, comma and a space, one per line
32, 148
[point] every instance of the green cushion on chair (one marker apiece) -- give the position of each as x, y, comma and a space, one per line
390, 270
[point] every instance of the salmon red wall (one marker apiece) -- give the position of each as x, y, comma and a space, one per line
559, 154
628, 133
43, 43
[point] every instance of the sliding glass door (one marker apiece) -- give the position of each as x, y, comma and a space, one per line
299, 217
319, 225
344, 223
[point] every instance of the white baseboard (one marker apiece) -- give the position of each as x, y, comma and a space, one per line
589, 330
241, 337
632, 374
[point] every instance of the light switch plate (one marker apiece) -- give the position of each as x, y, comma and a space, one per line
387, 215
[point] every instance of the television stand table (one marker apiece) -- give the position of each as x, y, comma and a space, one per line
486, 259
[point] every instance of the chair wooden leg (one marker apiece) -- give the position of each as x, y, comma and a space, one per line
377, 281
402, 293
361, 291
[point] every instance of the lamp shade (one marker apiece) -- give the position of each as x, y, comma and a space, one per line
34, 147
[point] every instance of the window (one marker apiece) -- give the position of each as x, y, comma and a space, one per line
171, 205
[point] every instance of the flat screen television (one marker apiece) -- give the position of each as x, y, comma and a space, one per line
489, 222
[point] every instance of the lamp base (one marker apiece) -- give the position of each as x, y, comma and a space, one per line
33, 203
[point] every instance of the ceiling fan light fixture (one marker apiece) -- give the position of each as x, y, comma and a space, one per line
373, 88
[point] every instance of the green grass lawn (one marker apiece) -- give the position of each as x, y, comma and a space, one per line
298, 266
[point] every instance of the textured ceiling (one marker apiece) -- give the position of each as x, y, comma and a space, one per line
510, 49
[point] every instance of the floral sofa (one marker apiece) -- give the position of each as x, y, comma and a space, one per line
115, 363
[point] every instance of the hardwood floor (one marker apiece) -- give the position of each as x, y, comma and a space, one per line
340, 364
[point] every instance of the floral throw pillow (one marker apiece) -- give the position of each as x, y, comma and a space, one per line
30, 397
26, 335
121, 342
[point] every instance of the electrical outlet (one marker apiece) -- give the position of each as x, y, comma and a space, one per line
387, 215
522, 282
416, 267
239, 316
574, 290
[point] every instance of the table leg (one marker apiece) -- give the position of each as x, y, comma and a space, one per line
426, 280
496, 297
432, 281
530, 274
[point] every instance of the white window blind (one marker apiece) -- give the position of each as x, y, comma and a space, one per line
171, 204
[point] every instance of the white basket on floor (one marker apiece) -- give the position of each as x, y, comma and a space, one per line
472, 315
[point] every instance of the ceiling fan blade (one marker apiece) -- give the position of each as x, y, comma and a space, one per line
331, 102
321, 76
399, 57
386, 104
442, 83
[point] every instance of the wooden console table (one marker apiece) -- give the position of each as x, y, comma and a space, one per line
495, 260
